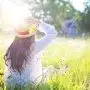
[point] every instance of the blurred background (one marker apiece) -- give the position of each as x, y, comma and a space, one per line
55, 12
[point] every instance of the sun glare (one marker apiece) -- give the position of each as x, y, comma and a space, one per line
14, 14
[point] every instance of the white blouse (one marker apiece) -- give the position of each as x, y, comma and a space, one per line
33, 70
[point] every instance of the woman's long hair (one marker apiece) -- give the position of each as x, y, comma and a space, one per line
17, 53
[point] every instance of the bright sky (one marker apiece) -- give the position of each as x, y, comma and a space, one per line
78, 4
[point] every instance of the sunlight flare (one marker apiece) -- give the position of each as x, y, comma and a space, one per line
13, 14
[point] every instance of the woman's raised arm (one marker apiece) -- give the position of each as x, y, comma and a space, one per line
50, 33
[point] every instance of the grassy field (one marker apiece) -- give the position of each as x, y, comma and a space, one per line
61, 53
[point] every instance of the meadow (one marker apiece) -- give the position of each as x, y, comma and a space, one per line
62, 53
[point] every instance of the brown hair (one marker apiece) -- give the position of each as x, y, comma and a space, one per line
18, 51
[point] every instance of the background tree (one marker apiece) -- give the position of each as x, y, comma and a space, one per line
85, 18
52, 11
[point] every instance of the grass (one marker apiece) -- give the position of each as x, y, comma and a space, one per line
74, 54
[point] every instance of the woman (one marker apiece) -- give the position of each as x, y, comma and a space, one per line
23, 62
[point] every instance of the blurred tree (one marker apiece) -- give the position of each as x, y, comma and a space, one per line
52, 11
85, 18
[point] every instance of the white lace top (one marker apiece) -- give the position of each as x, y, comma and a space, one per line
33, 70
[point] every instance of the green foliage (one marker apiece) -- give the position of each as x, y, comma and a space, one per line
85, 17
57, 11
52, 11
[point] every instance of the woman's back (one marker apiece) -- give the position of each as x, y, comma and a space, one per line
32, 67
